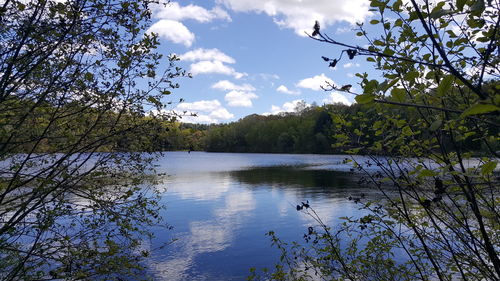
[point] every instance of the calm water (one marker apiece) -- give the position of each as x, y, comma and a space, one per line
221, 205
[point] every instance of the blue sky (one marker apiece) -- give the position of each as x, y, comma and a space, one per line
251, 57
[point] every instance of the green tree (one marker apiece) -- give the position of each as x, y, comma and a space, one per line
76, 78
436, 97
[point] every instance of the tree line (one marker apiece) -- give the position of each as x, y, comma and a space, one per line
327, 129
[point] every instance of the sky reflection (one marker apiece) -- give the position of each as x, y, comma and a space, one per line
220, 216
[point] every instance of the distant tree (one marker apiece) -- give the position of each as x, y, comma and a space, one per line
437, 94
77, 77
300, 106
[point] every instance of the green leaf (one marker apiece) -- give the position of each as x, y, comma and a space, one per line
154, 100
376, 3
412, 75
388, 51
398, 94
390, 84
397, 5
370, 86
477, 8
461, 4
353, 151
451, 34
483, 39
428, 173
435, 125
374, 21
437, 13
444, 85
407, 131
365, 98
89, 76
480, 109
476, 23
488, 167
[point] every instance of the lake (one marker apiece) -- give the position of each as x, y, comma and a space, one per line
221, 205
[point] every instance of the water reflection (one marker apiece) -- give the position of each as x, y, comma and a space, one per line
294, 176
203, 237
236, 203
326, 189
209, 186
220, 215
301, 179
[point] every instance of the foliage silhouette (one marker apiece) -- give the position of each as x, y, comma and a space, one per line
434, 105
76, 78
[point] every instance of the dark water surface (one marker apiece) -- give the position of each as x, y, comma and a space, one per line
221, 205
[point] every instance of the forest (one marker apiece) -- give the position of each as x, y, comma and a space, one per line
315, 129
312, 129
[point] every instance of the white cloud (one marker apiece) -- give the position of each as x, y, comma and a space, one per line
225, 85
240, 98
207, 67
171, 14
199, 119
207, 111
211, 61
350, 64
285, 90
221, 114
173, 11
173, 31
203, 105
238, 95
286, 107
345, 29
315, 83
274, 110
269, 76
207, 54
301, 15
336, 97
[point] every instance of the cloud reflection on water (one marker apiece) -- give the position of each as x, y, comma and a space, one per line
203, 186
205, 236
237, 203
221, 215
